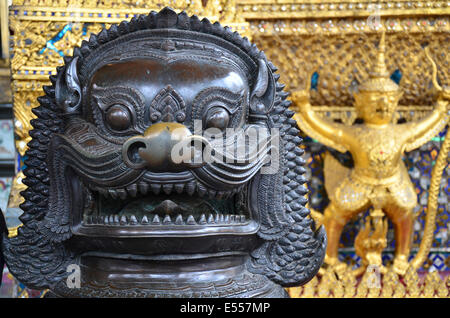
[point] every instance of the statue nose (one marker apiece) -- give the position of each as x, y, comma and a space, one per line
165, 147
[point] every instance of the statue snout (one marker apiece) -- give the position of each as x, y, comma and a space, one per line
165, 147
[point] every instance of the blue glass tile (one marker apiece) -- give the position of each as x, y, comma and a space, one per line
314, 80
396, 76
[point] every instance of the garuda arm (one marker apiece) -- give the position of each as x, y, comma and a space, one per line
331, 134
419, 132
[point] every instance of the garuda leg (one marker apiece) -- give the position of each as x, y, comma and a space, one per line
403, 220
334, 221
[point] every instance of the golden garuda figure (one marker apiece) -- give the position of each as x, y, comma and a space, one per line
379, 179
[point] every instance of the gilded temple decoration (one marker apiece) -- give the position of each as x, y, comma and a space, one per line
337, 285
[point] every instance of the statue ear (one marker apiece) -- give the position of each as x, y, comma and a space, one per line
68, 89
263, 93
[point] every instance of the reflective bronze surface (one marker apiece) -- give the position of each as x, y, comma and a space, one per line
106, 192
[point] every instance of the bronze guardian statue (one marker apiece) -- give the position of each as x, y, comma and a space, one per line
106, 194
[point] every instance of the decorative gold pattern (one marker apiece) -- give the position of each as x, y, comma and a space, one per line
332, 284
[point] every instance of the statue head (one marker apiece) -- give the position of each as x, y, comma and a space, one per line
117, 183
377, 98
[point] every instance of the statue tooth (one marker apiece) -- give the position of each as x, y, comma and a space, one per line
144, 220
156, 188
217, 220
179, 220
179, 187
242, 218
122, 193
123, 220
232, 218
143, 187
167, 188
116, 219
105, 220
167, 220
201, 190
156, 219
221, 218
112, 193
111, 219
190, 220
210, 219
190, 188
227, 218
202, 219
132, 190
133, 220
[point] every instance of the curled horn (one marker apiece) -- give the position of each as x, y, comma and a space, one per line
262, 81
263, 90
68, 89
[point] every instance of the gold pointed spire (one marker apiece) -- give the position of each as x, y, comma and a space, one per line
379, 80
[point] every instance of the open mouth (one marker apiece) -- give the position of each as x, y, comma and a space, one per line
170, 209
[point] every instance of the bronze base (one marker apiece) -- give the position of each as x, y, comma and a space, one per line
213, 276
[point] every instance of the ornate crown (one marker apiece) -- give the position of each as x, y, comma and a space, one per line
379, 80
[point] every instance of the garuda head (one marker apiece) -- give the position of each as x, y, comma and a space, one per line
117, 176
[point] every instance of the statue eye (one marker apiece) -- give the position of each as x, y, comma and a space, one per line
118, 117
217, 117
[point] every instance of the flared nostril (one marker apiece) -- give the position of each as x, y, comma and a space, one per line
133, 151
130, 153
165, 147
